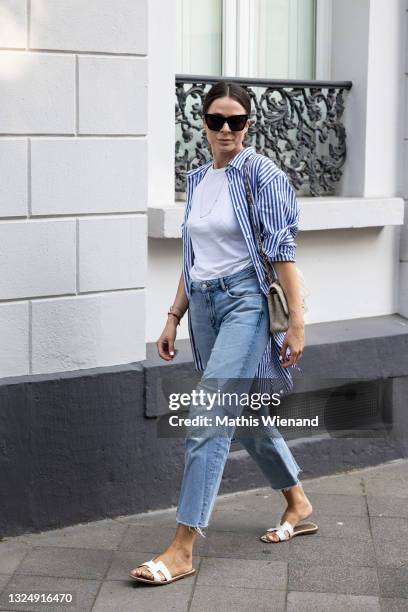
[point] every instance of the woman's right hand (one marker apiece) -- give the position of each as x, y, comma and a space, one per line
165, 344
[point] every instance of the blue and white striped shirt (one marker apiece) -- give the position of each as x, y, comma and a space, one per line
276, 213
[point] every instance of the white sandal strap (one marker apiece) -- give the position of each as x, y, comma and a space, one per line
288, 527
160, 565
280, 530
153, 568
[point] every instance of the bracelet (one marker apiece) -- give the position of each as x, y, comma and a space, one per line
174, 315
178, 314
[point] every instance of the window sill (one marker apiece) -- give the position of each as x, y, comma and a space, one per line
324, 213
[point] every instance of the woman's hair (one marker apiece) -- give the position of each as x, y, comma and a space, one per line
220, 89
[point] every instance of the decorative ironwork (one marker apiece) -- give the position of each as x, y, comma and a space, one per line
298, 124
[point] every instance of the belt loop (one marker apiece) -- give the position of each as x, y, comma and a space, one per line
222, 283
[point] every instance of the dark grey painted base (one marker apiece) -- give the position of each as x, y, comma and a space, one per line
80, 446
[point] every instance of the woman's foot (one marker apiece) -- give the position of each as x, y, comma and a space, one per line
178, 557
176, 560
299, 508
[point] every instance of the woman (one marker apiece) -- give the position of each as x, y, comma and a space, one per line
224, 288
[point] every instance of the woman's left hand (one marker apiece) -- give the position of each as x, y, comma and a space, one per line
295, 341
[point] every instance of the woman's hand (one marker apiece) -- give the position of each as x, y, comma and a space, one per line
295, 340
165, 344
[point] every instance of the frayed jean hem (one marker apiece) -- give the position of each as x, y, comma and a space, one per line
291, 486
199, 530
298, 483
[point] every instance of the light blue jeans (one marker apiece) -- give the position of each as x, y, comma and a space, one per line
230, 321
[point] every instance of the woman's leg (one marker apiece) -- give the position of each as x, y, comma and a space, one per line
242, 333
298, 508
275, 460
241, 341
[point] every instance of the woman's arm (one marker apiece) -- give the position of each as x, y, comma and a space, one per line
279, 214
165, 344
295, 335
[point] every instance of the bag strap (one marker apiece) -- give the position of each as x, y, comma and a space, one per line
266, 264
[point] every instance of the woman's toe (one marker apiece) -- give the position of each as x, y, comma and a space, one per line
271, 536
147, 574
141, 572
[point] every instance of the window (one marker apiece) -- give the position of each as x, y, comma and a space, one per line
199, 37
273, 39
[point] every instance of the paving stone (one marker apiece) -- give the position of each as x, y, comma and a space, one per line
4, 578
83, 592
340, 525
393, 604
165, 518
11, 554
385, 485
342, 484
387, 506
254, 523
105, 534
261, 500
67, 562
224, 599
393, 581
392, 553
130, 596
353, 505
149, 537
268, 575
330, 525
395, 468
123, 562
349, 580
243, 546
332, 551
335, 602
387, 528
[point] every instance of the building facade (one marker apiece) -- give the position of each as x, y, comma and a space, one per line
90, 242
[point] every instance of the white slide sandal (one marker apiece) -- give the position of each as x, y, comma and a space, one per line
303, 529
159, 566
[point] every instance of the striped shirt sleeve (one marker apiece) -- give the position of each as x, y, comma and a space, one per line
279, 214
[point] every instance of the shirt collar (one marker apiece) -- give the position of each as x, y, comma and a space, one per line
239, 159
236, 162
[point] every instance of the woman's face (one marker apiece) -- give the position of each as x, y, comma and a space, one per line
226, 141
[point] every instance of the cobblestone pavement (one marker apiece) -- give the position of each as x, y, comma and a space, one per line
358, 560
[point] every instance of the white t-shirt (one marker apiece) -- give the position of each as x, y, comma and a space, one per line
218, 243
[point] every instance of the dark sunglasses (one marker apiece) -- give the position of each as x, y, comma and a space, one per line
235, 122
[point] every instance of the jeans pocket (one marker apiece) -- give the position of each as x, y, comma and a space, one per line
246, 287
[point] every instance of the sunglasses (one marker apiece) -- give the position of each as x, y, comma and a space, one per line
235, 122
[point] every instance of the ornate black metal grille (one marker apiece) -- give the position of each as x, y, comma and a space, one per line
298, 124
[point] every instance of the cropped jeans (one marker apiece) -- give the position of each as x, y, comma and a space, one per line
230, 321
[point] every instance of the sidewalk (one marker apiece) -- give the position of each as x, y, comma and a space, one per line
357, 561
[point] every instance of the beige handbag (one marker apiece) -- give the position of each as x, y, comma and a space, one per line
277, 303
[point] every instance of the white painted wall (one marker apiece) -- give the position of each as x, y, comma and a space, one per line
384, 98
73, 187
403, 268
164, 269
161, 101
367, 43
351, 273
349, 61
